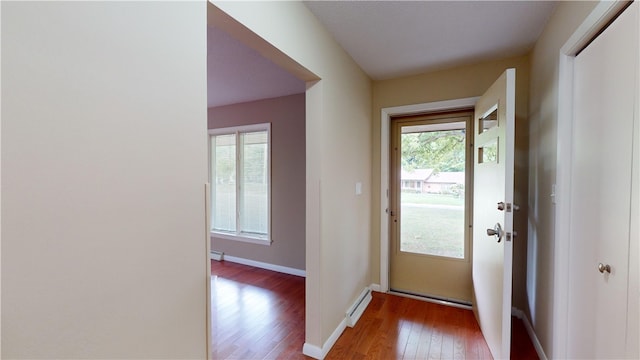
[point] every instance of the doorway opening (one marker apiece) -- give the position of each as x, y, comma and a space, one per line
290, 105
430, 204
385, 167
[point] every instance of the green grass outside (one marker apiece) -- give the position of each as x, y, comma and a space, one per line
432, 230
435, 199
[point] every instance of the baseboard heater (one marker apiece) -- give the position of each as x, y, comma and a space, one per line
217, 255
358, 307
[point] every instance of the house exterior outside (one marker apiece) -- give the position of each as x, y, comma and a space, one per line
431, 182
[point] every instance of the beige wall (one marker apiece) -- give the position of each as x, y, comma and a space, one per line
288, 164
103, 173
338, 128
338, 223
457, 83
543, 110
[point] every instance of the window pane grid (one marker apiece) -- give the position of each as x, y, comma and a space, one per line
240, 177
224, 172
254, 177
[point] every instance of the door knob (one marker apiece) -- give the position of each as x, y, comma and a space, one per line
496, 231
604, 268
502, 206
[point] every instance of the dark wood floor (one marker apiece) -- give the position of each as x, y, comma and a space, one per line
259, 314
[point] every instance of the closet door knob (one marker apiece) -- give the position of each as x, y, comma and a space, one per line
604, 268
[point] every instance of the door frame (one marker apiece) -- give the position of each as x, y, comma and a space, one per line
313, 119
385, 133
595, 22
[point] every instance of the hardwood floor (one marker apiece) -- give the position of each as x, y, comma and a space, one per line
395, 327
521, 346
259, 314
256, 313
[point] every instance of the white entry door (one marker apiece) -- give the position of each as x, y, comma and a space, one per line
493, 212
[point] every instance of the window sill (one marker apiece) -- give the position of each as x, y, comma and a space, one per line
247, 239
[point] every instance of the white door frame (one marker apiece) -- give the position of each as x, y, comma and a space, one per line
385, 126
601, 15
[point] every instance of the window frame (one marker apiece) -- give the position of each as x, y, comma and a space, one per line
239, 235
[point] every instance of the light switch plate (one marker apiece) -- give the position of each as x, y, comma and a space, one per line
358, 188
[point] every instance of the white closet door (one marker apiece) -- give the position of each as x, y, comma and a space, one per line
604, 96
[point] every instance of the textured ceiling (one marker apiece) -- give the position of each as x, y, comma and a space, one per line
396, 38
387, 39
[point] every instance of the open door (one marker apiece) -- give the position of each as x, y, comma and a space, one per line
493, 212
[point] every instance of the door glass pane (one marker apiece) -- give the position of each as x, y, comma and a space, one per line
432, 199
254, 183
488, 153
488, 121
224, 183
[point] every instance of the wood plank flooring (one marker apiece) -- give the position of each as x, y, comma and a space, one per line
259, 314
255, 313
395, 327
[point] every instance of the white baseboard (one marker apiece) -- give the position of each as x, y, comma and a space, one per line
312, 351
361, 304
318, 353
532, 334
263, 265
375, 287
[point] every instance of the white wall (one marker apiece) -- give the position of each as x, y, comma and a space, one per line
104, 248
338, 128
543, 118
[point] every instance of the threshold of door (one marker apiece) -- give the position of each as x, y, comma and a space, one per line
433, 299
